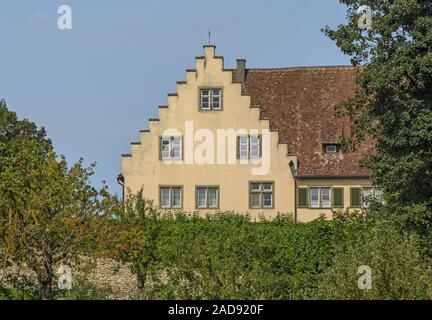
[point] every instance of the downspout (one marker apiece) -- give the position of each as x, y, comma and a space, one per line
120, 181
294, 173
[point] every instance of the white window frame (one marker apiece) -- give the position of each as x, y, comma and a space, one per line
329, 197
257, 143
243, 145
216, 96
206, 190
173, 142
211, 98
246, 142
170, 190
319, 202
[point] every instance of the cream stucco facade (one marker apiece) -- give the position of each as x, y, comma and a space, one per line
143, 168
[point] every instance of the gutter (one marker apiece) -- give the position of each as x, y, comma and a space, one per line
294, 173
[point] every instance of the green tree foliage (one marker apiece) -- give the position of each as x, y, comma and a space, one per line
138, 226
397, 268
47, 210
393, 101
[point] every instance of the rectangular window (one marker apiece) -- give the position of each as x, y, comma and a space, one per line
261, 195
325, 198
216, 95
207, 197
314, 197
338, 198
243, 147
249, 146
355, 198
176, 198
170, 197
165, 198
320, 197
211, 99
171, 148
255, 146
331, 148
370, 194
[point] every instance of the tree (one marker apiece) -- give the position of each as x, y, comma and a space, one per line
47, 210
139, 227
393, 100
397, 268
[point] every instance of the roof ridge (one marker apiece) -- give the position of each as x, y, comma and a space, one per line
302, 67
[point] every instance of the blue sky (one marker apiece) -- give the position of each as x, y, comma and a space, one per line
95, 86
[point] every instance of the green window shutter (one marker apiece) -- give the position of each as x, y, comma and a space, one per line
238, 147
355, 197
338, 198
302, 197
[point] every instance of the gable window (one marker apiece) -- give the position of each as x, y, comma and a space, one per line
249, 146
331, 148
207, 197
171, 148
171, 197
261, 195
211, 99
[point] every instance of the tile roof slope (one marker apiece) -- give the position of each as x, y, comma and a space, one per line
299, 103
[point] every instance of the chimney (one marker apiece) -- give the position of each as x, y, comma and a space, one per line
241, 71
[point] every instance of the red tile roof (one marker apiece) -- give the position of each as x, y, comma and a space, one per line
299, 103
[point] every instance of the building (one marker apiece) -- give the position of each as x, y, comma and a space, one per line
261, 141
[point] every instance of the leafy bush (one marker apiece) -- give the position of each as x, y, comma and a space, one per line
398, 270
82, 289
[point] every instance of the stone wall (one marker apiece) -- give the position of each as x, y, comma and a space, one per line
102, 273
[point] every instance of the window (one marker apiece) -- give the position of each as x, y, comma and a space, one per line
314, 197
171, 197
338, 198
325, 198
261, 195
211, 99
331, 148
207, 197
255, 146
171, 148
320, 197
249, 146
243, 147
370, 194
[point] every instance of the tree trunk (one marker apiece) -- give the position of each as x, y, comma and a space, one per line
45, 289
140, 286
